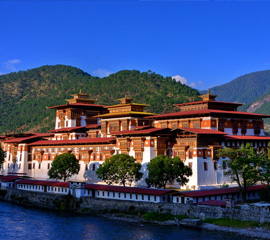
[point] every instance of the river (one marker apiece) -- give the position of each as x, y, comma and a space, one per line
23, 223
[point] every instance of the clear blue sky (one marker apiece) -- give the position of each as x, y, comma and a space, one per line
206, 42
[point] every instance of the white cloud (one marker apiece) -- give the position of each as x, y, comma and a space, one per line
193, 84
183, 80
11, 64
178, 78
200, 82
101, 72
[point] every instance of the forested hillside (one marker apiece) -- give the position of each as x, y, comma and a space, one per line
244, 89
252, 89
25, 95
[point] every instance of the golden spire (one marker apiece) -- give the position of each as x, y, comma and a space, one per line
208, 96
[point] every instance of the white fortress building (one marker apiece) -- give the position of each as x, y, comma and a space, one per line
95, 132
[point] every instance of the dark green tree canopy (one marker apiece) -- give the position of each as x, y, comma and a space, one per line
243, 167
120, 169
64, 166
2, 155
163, 169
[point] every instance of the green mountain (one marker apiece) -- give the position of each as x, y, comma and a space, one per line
252, 89
244, 89
26, 94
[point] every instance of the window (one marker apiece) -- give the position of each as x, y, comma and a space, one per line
190, 165
125, 195
142, 197
119, 195
102, 193
94, 167
86, 167
148, 198
136, 196
215, 165
204, 154
33, 165
108, 194
155, 198
29, 166
130, 196
205, 166
39, 166
48, 166
20, 166
113, 194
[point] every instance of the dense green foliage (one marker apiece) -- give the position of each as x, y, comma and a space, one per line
120, 169
25, 95
244, 89
64, 166
2, 155
163, 169
244, 167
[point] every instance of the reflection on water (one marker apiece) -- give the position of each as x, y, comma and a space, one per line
18, 223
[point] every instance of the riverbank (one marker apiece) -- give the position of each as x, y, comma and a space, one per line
258, 232
164, 213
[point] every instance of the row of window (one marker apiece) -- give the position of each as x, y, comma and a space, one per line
205, 165
93, 167
36, 187
126, 195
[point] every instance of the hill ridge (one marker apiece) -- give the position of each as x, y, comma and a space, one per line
26, 94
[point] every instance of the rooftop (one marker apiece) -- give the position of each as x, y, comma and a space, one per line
74, 142
208, 112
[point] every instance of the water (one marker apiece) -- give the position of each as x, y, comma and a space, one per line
17, 222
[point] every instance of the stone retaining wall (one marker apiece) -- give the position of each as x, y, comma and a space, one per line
99, 206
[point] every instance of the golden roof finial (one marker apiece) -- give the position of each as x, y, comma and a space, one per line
80, 91
208, 96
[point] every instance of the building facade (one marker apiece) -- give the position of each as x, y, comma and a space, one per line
95, 132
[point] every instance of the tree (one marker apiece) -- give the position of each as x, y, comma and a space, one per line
64, 166
2, 155
120, 169
163, 169
265, 174
243, 167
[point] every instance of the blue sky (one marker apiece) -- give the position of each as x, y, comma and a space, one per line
206, 43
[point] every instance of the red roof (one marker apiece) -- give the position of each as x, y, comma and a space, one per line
206, 112
69, 129
75, 141
219, 191
148, 191
9, 178
218, 203
204, 131
198, 102
140, 131
142, 127
44, 183
66, 129
76, 105
235, 137
23, 139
